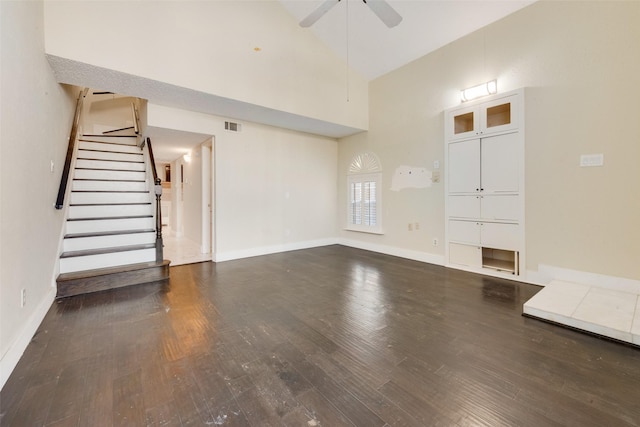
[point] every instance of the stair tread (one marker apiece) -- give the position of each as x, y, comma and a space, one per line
93, 150
102, 218
109, 169
101, 251
75, 275
121, 144
110, 160
109, 180
111, 191
109, 233
90, 135
110, 204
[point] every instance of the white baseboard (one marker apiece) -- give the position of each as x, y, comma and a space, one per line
394, 251
11, 358
273, 249
383, 249
547, 273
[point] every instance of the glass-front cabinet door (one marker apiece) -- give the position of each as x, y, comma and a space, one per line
499, 115
496, 116
463, 123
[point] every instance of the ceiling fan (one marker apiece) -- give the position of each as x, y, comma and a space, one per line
381, 8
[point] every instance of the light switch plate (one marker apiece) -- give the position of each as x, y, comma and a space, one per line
588, 160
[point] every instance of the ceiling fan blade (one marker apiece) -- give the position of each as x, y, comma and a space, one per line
386, 13
317, 14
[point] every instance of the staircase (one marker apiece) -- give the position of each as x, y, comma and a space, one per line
110, 231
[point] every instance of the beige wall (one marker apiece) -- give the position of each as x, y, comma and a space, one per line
274, 189
36, 120
200, 45
107, 112
580, 63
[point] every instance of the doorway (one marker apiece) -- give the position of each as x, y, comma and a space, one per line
208, 229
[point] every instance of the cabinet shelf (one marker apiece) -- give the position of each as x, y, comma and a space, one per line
463, 123
499, 115
500, 260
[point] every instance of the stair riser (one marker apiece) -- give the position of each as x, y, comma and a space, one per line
84, 145
108, 186
97, 226
104, 198
131, 140
114, 259
105, 165
101, 281
113, 175
109, 211
104, 155
100, 242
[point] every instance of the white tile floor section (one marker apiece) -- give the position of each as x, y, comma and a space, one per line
180, 250
607, 312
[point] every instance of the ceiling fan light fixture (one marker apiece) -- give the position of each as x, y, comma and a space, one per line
380, 8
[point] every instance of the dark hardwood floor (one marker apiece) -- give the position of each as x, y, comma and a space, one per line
330, 336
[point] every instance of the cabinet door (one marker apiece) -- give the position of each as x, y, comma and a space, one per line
499, 115
463, 206
463, 166
500, 207
499, 163
463, 123
500, 236
469, 255
464, 232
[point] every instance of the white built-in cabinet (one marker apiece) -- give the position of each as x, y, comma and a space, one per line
484, 158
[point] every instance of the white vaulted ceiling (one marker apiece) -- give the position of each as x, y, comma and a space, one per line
370, 48
374, 49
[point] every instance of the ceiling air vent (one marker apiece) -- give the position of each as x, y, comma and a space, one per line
231, 126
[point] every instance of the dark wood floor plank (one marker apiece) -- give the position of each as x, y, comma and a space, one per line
69, 393
338, 396
252, 404
97, 406
364, 392
128, 400
419, 409
317, 411
162, 415
189, 401
330, 336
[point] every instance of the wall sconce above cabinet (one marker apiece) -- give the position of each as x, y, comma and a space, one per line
488, 88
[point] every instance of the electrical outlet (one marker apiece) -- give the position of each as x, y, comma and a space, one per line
435, 242
416, 226
23, 297
410, 227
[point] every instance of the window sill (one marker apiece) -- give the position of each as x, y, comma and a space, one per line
364, 230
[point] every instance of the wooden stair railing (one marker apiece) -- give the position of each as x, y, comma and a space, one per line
158, 191
73, 136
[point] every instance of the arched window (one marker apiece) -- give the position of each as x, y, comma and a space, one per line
364, 183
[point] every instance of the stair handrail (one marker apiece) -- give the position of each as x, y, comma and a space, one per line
73, 136
136, 123
158, 192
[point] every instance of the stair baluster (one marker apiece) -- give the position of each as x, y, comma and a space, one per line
158, 191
